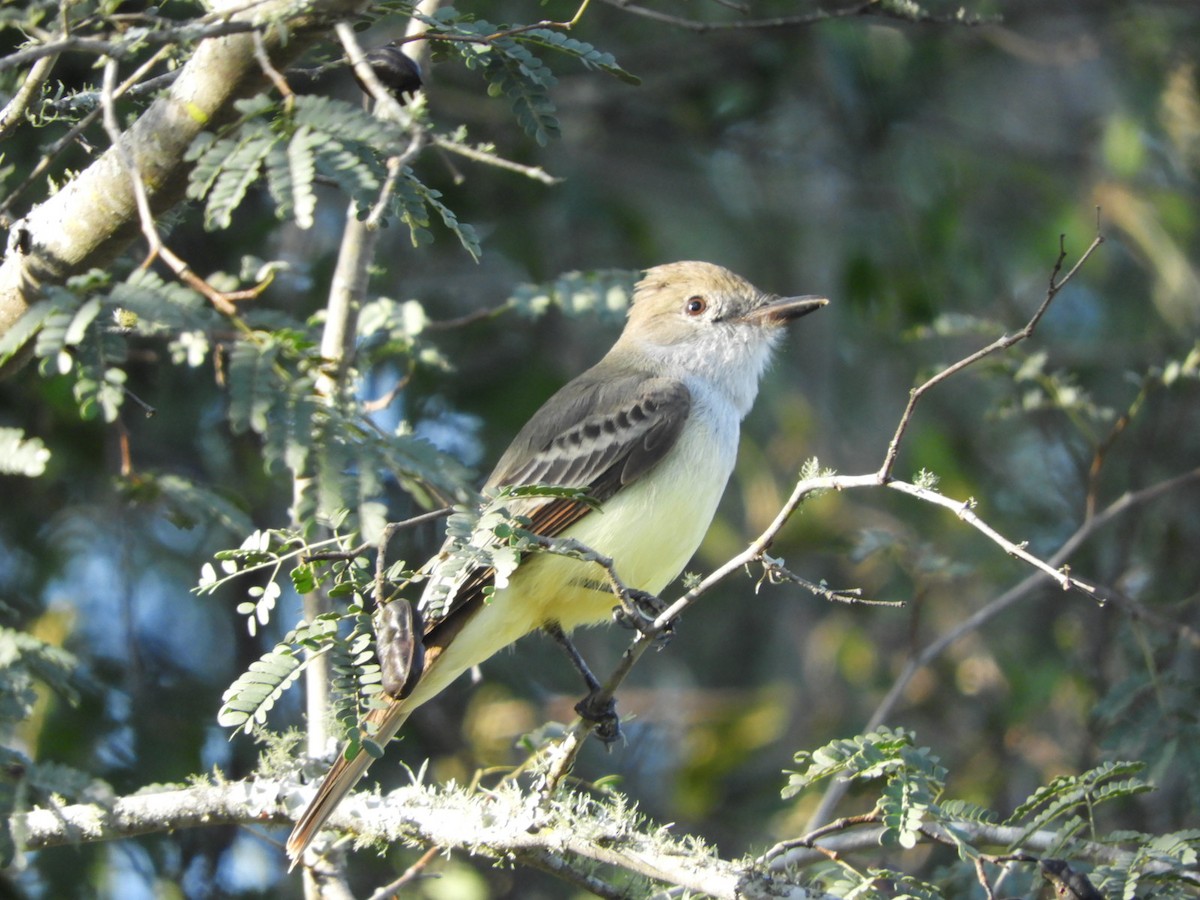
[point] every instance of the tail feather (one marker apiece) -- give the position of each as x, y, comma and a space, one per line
445, 658
342, 777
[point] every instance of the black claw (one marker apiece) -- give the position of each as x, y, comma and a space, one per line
649, 605
644, 609
604, 714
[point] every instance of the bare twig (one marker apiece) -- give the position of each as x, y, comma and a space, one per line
67, 139
867, 8
411, 874
777, 573
273, 74
384, 400
470, 318
113, 127
504, 33
965, 512
481, 155
809, 841
981, 874
223, 301
1101, 452
978, 619
389, 529
1001, 343
116, 49
14, 110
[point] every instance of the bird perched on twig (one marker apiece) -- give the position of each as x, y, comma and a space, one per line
649, 434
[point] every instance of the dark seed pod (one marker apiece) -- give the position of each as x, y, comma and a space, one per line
398, 647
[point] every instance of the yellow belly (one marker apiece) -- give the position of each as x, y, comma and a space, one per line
650, 530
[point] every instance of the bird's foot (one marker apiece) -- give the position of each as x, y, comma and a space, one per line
641, 611
601, 710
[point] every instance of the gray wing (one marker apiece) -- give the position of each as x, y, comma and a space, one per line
597, 434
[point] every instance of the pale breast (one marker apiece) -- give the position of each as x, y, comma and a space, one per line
650, 529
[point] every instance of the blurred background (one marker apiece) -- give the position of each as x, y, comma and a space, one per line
920, 176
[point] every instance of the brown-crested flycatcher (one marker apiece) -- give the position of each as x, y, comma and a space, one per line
650, 433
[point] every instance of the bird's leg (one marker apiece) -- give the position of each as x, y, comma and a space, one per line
638, 610
603, 712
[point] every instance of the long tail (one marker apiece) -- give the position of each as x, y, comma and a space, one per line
342, 776
449, 650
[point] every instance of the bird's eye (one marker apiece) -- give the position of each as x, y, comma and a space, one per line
695, 306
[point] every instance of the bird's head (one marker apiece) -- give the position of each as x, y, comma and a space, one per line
700, 319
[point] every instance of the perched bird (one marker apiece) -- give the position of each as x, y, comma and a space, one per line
650, 433
398, 72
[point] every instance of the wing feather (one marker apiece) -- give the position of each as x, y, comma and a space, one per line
598, 434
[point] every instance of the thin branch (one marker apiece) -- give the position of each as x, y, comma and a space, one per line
384, 400
702, 27
1001, 343
189, 33
498, 35
985, 614
964, 510
389, 529
223, 301
112, 126
67, 139
981, 874
1033, 844
868, 8
1101, 451
470, 318
273, 74
486, 157
14, 110
775, 572
411, 874
809, 841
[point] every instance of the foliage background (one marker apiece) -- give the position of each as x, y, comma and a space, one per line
910, 173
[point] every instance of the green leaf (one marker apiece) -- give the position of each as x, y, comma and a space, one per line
864, 757
250, 698
188, 503
80, 321
24, 328
20, 455
161, 307
605, 292
227, 171
304, 578
348, 122
252, 385
584, 52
